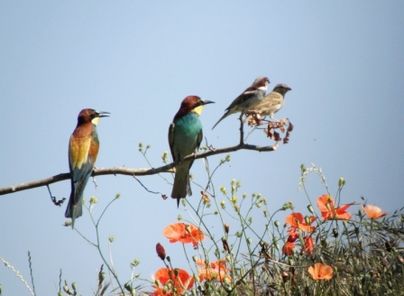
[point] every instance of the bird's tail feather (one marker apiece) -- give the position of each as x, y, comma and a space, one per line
227, 113
74, 207
181, 187
74, 210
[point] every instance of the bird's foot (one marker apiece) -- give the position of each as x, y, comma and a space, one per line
94, 182
211, 148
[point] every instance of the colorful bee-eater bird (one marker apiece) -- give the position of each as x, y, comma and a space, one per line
83, 151
272, 102
184, 137
245, 101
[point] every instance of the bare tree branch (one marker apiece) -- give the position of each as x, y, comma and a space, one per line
134, 171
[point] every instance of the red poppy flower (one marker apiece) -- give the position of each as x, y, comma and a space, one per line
308, 247
184, 233
288, 248
293, 235
297, 220
172, 282
328, 210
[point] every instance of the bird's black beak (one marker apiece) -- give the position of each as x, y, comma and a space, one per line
205, 102
103, 114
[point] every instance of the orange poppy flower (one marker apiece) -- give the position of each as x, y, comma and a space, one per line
321, 271
328, 210
297, 220
172, 282
308, 247
216, 270
373, 212
288, 248
184, 233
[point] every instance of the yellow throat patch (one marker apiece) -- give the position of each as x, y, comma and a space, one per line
198, 110
95, 120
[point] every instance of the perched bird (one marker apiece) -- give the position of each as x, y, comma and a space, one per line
247, 100
83, 151
272, 102
184, 137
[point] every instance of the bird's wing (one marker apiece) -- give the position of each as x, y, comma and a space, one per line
273, 99
93, 150
276, 98
238, 103
79, 148
82, 154
171, 139
80, 179
245, 96
199, 139
190, 162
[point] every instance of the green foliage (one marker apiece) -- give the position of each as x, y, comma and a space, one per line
244, 249
366, 255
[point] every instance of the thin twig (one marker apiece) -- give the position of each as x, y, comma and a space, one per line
31, 272
147, 189
55, 201
60, 282
241, 129
135, 171
17, 274
98, 244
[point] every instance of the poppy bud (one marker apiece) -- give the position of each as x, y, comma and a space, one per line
226, 228
341, 182
225, 245
93, 200
161, 252
287, 205
205, 198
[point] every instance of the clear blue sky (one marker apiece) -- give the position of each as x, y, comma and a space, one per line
138, 60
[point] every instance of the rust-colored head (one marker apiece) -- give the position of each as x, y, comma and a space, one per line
90, 115
261, 82
191, 104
